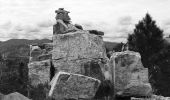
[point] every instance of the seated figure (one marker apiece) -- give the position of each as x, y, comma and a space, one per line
63, 24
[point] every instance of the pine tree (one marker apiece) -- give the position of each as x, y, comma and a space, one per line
147, 39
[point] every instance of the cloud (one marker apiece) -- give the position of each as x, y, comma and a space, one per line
7, 25
10, 30
114, 30
166, 27
126, 20
27, 28
47, 23
13, 35
121, 36
30, 18
167, 23
32, 29
19, 28
123, 27
34, 32
115, 39
87, 25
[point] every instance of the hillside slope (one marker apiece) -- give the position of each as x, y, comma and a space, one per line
14, 56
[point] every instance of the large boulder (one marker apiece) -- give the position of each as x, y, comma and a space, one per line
79, 52
130, 77
137, 90
39, 72
15, 96
78, 45
86, 67
1, 96
153, 97
73, 86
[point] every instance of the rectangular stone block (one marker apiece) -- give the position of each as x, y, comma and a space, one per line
39, 72
130, 76
73, 86
78, 45
91, 68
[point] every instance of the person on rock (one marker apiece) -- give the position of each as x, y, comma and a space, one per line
63, 22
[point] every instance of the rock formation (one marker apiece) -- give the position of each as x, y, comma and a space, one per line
39, 64
153, 97
76, 62
40, 52
96, 32
78, 26
130, 77
39, 72
14, 96
1, 96
63, 24
73, 86
75, 52
79, 52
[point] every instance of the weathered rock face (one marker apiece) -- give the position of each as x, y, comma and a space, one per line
85, 67
63, 24
40, 52
100, 33
15, 96
1, 96
137, 90
62, 28
39, 64
78, 45
78, 59
73, 86
78, 26
39, 72
153, 97
78, 52
129, 74
62, 14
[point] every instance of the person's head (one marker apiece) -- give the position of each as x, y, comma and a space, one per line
63, 15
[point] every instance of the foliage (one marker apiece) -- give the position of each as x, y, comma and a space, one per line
147, 39
160, 71
11, 79
14, 57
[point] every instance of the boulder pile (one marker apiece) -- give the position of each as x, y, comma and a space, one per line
78, 67
79, 52
39, 63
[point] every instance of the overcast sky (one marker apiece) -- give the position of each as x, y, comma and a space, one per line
33, 19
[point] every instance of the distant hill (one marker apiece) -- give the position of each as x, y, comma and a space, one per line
18, 47
110, 46
13, 64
